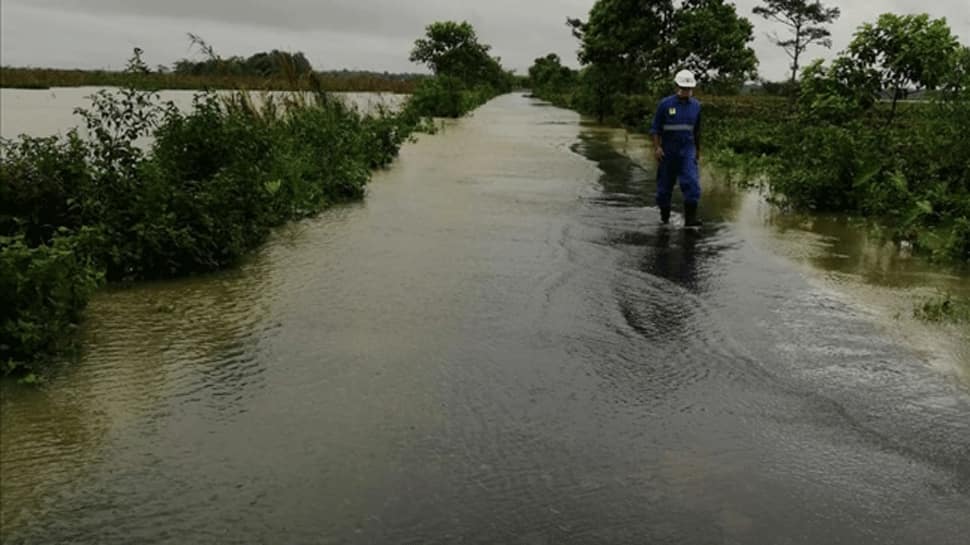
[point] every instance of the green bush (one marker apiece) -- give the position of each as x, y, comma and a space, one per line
944, 307
43, 290
448, 96
40, 179
208, 190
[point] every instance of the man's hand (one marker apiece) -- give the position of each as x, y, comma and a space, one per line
658, 153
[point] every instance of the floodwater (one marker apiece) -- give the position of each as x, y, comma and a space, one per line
50, 111
501, 345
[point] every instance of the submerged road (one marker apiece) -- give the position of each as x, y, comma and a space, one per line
499, 345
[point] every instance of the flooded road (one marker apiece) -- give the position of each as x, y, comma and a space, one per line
499, 345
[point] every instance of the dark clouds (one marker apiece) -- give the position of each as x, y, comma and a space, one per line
372, 34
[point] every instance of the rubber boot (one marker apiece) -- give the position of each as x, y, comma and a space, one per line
690, 215
665, 215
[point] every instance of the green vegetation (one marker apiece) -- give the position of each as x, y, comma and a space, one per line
944, 307
848, 143
631, 47
854, 151
466, 76
336, 81
804, 20
43, 289
76, 212
264, 64
267, 71
208, 189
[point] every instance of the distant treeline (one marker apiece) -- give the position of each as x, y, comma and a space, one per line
273, 70
335, 81
262, 64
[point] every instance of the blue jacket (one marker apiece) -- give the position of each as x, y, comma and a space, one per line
678, 123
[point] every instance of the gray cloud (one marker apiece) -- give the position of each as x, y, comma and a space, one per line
379, 18
372, 34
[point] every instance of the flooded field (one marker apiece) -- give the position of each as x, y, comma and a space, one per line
501, 345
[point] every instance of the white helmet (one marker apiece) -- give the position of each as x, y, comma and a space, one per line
685, 79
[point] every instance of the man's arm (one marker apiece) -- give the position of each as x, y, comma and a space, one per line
655, 128
697, 136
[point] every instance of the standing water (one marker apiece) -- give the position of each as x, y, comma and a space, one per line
499, 345
51, 111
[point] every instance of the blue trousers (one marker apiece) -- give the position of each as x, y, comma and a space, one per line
682, 165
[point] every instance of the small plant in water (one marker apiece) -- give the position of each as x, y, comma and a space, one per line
944, 307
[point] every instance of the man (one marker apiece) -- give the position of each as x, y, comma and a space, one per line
676, 139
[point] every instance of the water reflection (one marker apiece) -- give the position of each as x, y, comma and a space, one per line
686, 257
150, 352
47, 112
845, 253
500, 332
854, 246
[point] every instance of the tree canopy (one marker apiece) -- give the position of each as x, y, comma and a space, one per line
452, 49
548, 73
804, 19
644, 41
264, 64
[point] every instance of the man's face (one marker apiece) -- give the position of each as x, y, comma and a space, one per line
685, 92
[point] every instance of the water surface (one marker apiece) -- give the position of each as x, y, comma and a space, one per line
499, 345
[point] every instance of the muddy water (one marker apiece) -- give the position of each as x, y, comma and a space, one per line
500, 345
51, 111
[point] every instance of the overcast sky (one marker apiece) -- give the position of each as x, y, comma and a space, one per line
364, 34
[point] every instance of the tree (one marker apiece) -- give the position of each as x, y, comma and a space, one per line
277, 62
637, 43
804, 19
712, 41
958, 81
596, 91
628, 40
548, 74
263, 64
837, 94
452, 49
906, 52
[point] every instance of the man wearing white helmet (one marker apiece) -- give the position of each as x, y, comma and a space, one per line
676, 139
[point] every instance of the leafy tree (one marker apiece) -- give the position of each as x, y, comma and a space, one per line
548, 74
276, 62
638, 42
628, 40
905, 52
958, 80
805, 20
712, 41
452, 49
596, 91
837, 94
263, 64
466, 76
